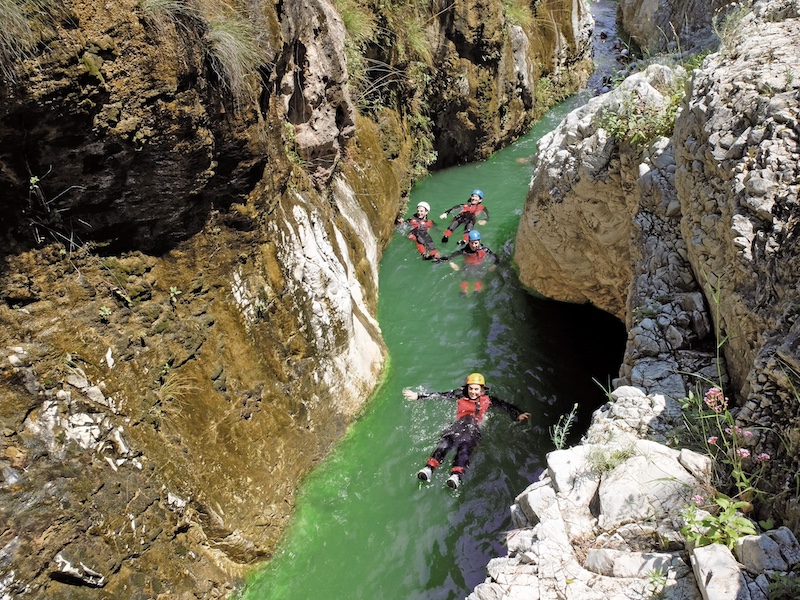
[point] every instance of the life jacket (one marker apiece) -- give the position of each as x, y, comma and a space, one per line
419, 223
472, 208
472, 408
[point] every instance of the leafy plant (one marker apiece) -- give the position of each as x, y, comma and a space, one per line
725, 442
784, 587
560, 431
104, 313
656, 583
724, 527
174, 292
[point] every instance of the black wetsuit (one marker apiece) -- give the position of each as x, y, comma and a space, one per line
419, 234
465, 433
467, 216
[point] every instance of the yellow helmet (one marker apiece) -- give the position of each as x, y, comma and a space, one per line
476, 378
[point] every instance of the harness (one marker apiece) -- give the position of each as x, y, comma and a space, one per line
473, 408
474, 258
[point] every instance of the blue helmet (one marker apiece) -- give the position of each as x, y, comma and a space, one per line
474, 236
477, 193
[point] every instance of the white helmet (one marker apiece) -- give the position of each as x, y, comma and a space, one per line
424, 205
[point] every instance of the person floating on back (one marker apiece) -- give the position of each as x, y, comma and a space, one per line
419, 233
468, 215
475, 255
464, 434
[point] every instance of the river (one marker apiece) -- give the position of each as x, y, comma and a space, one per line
364, 526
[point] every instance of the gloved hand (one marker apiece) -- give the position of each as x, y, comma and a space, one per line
454, 266
410, 394
443, 216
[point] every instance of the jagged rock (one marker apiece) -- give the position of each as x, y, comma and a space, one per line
718, 574
759, 553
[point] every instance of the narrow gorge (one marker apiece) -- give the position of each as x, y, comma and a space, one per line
198, 195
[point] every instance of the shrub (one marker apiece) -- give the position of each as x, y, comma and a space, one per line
724, 527
638, 122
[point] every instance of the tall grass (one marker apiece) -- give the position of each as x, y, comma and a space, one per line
163, 13
231, 48
21, 23
727, 25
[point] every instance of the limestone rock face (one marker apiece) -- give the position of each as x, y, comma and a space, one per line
689, 239
738, 160
658, 25
314, 94
573, 242
487, 94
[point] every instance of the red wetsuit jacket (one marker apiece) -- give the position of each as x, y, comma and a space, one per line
475, 409
475, 257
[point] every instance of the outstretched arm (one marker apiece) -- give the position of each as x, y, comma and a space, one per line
514, 411
412, 395
448, 211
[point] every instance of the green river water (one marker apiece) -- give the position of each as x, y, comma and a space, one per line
365, 527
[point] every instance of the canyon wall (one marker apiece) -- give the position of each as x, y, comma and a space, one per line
195, 198
689, 235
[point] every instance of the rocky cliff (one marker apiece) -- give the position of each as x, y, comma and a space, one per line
688, 233
195, 197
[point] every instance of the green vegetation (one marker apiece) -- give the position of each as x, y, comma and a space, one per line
724, 527
518, 12
656, 583
637, 121
784, 587
163, 13
21, 24
604, 460
175, 387
560, 431
231, 47
727, 25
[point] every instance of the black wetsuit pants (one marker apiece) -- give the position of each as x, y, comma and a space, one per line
463, 436
423, 240
467, 219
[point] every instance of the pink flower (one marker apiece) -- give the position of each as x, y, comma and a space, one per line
728, 430
743, 452
713, 440
715, 400
763, 457
697, 499
747, 433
